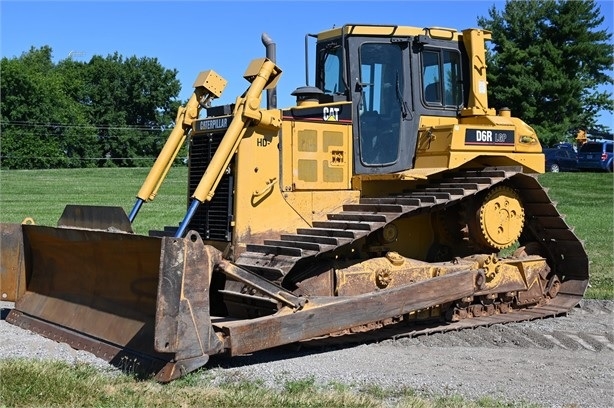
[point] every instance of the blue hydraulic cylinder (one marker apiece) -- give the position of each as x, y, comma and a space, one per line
135, 209
188, 217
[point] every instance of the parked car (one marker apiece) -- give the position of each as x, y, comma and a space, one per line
564, 145
596, 156
560, 160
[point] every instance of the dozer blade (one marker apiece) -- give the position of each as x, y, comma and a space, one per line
121, 296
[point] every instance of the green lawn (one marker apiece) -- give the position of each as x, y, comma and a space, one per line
43, 194
586, 199
27, 383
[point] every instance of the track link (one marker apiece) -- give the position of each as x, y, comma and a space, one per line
543, 224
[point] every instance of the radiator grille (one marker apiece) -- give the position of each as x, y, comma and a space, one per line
212, 220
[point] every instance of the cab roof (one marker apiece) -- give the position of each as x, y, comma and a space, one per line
443, 33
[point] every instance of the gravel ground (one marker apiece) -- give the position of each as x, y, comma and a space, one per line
559, 362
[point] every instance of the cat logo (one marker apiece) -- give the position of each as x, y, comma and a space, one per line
330, 114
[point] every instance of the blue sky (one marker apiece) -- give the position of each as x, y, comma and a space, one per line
193, 36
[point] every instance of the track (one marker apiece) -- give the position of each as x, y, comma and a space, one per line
543, 224
585, 328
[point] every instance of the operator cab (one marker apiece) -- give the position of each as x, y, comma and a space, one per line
393, 76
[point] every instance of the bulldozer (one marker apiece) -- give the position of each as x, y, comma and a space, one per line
389, 199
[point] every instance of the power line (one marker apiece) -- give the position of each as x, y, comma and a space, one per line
79, 158
62, 125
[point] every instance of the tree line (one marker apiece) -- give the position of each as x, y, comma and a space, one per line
548, 62
551, 63
111, 111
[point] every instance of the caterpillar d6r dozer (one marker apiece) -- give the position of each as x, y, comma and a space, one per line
379, 203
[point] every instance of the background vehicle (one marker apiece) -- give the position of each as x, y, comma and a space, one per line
596, 155
381, 200
560, 160
564, 145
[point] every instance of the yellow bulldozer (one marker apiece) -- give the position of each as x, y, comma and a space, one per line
389, 199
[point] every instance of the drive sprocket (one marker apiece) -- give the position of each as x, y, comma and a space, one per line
499, 219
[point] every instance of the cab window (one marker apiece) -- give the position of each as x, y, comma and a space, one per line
331, 70
441, 78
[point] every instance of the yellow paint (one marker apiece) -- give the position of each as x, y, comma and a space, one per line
314, 180
443, 145
388, 30
316, 155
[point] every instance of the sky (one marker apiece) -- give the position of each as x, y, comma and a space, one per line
194, 36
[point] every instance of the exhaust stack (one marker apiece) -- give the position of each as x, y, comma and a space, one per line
271, 94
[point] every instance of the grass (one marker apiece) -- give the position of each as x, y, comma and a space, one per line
28, 383
42, 194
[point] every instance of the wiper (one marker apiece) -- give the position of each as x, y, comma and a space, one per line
322, 65
404, 109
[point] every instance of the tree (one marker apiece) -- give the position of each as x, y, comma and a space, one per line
42, 126
131, 103
110, 111
547, 63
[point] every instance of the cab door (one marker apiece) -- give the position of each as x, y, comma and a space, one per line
384, 131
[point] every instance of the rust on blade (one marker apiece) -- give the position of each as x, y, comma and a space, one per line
95, 217
130, 360
129, 299
183, 318
12, 269
93, 282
